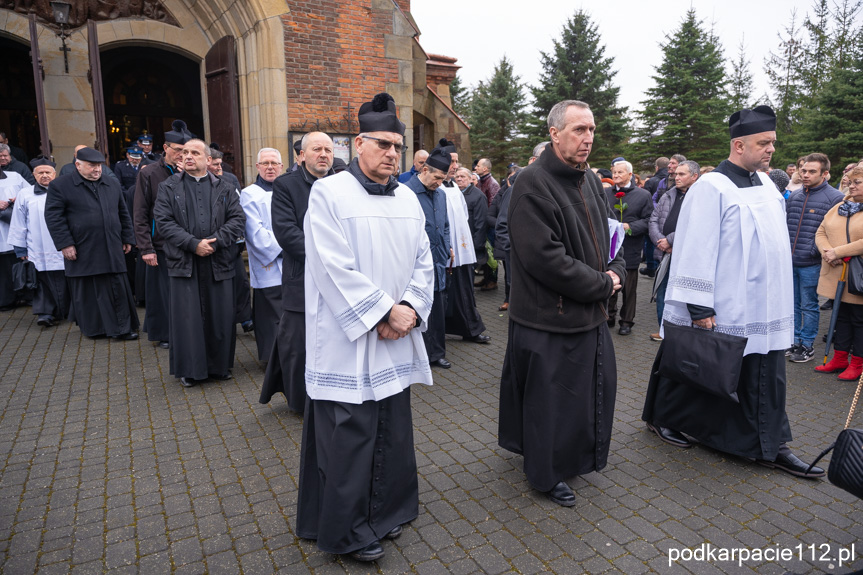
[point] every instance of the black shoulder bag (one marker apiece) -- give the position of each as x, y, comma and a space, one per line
855, 266
846, 465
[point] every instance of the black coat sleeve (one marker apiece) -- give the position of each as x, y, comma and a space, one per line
235, 220
287, 218
166, 222
55, 217
478, 225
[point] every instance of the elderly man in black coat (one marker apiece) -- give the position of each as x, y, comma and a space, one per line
287, 366
632, 206
199, 217
559, 379
87, 218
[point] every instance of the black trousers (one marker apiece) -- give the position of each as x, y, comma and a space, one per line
435, 336
627, 311
849, 328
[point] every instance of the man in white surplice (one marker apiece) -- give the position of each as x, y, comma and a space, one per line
731, 271
369, 289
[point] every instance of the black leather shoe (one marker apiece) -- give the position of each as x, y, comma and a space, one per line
394, 532
371, 552
248, 326
220, 377
790, 463
562, 495
188, 382
647, 272
164, 345
625, 329
441, 363
669, 436
610, 322
45, 321
131, 336
481, 338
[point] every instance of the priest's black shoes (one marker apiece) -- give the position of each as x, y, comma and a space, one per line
371, 552
188, 382
164, 345
441, 363
562, 495
670, 436
790, 463
45, 321
131, 336
481, 338
394, 532
625, 329
220, 377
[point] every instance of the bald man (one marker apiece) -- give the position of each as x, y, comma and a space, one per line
419, 161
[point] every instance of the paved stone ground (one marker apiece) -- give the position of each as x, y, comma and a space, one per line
108, 464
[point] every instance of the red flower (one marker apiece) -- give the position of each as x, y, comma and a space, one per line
619, 194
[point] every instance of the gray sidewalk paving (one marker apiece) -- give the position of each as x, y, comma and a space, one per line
107, 464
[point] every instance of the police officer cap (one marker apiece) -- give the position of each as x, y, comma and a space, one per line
90, 155
145, 139
439, 158
134, 151
41, 161
379, 115
747, 122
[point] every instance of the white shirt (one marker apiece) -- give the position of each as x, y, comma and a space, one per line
364, 253
10, 187
460, 233
265, 253
28, 230
731, 253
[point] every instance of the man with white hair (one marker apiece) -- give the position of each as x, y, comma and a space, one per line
265, 253
11, 186
29, 235
537, 150
632, 206
89, 222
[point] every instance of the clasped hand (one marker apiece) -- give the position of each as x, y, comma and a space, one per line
402, 320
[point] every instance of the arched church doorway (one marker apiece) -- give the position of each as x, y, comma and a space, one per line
145, 89
18, 118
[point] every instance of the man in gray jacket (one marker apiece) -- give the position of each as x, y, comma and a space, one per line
663, 223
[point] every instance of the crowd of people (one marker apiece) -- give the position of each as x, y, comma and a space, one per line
357, 274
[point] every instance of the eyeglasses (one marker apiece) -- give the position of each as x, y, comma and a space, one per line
270, 164
386, 144
175, 148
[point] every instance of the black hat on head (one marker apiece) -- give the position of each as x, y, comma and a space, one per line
298, 146
90, 155
179, 133
747, 122
41, 161
339, 165
379, 115
447, 146
439, 158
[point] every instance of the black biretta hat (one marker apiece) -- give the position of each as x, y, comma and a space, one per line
179, 133
447, 146
747, 122
90, 155
41, 161
379, 115
439, 158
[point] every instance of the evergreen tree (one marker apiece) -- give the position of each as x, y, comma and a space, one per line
460, 95
834, 124
740, 85
783, 72
844, 31
497, 118
578, 69
687, 110
815, 67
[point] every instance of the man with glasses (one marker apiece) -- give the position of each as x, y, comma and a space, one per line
369, 282
427, 186
265, 253
149, 243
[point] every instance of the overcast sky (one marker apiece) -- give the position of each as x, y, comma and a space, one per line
480, 32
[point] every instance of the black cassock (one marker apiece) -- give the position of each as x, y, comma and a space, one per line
52, 296
462, 316
286, 369
92, 216
266, 310
202, 332
360, 482
557, 398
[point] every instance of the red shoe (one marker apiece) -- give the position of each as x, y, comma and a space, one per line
855, 368
838, 363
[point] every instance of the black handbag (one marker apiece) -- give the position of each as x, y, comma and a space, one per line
24, 275
846, 465
703, 358
854, 281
